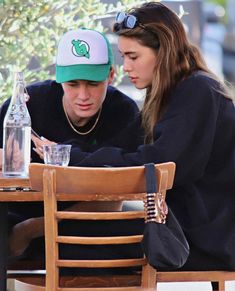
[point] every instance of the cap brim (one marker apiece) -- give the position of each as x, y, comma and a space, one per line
96, 73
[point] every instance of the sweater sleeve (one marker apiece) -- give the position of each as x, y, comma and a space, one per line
184, 135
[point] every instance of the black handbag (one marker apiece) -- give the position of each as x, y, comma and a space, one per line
164, 243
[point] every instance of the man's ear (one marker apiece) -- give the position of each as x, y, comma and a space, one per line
111, 75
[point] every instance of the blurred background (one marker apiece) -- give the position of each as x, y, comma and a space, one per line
30, 32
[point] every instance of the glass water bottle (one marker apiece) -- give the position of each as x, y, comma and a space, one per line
17, 133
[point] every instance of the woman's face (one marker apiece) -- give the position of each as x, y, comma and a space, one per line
138, 61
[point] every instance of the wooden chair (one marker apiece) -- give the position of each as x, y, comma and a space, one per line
218, 278
99, 187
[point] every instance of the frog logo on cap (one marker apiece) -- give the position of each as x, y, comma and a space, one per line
80, 48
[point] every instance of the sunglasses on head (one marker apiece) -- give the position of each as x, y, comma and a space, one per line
124, 20
128, 21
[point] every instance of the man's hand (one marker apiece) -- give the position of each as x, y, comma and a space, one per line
39, 143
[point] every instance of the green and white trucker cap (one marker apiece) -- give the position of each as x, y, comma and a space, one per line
83, 54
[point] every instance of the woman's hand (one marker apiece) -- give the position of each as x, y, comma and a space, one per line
39, 143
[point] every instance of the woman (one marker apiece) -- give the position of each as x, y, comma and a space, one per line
187, 117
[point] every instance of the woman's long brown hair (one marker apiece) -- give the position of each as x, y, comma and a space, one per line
176, 57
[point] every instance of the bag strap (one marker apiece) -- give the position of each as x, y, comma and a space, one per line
151, 179
155, 205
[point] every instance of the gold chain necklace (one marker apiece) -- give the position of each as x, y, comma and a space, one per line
77, 131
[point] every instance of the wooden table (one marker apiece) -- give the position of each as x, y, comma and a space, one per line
11, 190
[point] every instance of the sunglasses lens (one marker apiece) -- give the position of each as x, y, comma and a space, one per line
127, 20
120, 17
130, 21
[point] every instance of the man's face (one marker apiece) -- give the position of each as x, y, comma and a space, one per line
83, 99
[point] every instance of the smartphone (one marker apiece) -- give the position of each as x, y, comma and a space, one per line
34, 133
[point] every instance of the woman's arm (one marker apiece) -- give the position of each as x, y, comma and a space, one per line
185, 135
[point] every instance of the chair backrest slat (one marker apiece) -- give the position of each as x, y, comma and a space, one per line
101, 263
105, 181
100, 215
100, 240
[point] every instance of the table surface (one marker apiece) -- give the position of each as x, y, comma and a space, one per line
13, 182
17, 189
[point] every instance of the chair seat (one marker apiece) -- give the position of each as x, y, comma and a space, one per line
37, 283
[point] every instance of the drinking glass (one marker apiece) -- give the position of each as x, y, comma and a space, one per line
57, 154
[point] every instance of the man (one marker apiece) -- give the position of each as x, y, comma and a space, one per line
80, 107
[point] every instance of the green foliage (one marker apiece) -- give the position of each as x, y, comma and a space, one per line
220, 2
30, 31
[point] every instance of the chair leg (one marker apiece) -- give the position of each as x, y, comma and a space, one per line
218, 286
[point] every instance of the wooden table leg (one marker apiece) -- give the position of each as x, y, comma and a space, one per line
3, 246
